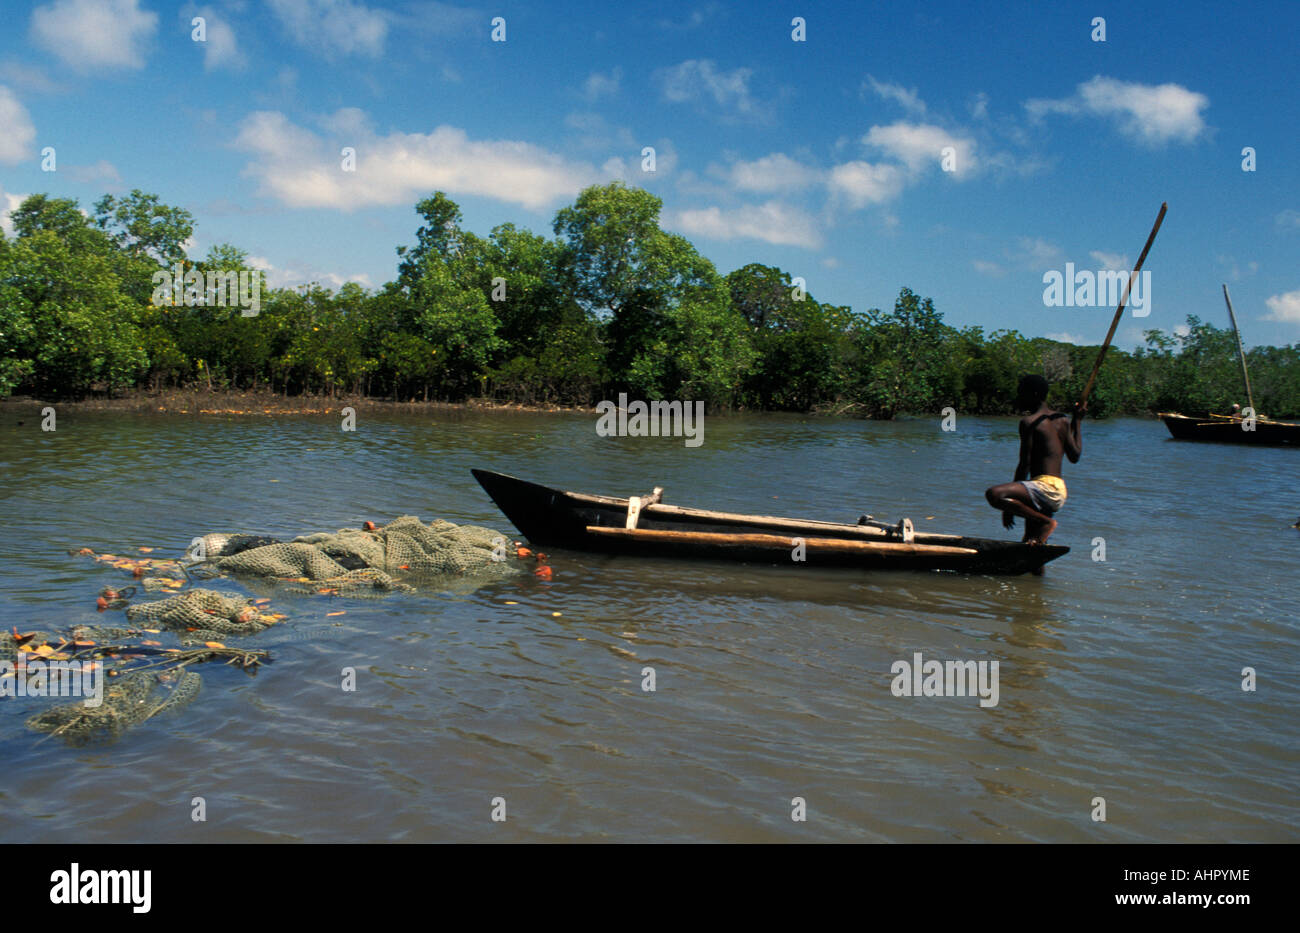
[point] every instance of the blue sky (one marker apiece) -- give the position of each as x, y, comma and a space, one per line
823, 157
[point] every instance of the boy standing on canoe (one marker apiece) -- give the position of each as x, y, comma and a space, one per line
1038, 490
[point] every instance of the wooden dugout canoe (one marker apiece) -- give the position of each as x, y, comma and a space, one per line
1227, 430
1231, 429
550, 517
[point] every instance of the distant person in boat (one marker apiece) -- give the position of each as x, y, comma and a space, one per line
1038, 490
1235, 414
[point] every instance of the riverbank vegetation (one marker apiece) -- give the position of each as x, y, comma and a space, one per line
609, 302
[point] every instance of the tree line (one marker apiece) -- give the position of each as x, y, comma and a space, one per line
610, 302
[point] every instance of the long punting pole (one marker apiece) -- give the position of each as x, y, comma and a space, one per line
1123, 300
1241, 351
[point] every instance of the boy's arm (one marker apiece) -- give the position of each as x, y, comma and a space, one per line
1026, 441
1073, 436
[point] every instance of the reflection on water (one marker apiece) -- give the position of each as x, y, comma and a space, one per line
1118, 679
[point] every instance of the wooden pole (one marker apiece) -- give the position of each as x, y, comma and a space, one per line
1123, 300
780, 542
1241, 351
801, 526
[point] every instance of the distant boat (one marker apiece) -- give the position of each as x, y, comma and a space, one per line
1232, 429
1226, 429
646, 527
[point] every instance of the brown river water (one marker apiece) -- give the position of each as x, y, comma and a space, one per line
1119, 679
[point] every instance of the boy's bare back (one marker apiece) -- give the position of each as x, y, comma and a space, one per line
1048, 434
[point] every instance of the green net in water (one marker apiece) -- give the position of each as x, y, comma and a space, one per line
357, 562
127, 701
351, 562
198, 611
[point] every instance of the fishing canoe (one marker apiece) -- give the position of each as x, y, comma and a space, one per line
1227, 430
646, 527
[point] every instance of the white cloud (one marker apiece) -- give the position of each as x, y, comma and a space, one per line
421, 19
1067, 338
102, 170
300, 169
599, 134
1111, 261
696, 19
1233, 267
221, 47
1285, 307
1150, 114
699, 80
665, 159
17, 133
693, 185
348, 123
632, 168
775, 172
334, 27
598, 85
1032, 251
338, 281
864, 183
773, 222
911, 150
91, 34
830, 262
1017, 165
991, 269
30, 77
907, 98
1288, 219
8, 204
587, 121
1124, 337
303, 274
918, 145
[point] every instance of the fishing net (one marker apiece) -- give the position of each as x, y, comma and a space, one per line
201, 612
129, 695
118, 683
9, 644
356, 562
128, 700
373, 561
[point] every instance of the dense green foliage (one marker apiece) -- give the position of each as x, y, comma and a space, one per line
612, 302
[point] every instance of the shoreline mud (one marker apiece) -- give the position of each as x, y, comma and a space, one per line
202, 402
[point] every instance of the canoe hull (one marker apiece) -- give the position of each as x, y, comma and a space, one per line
1227, 431
555, 518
